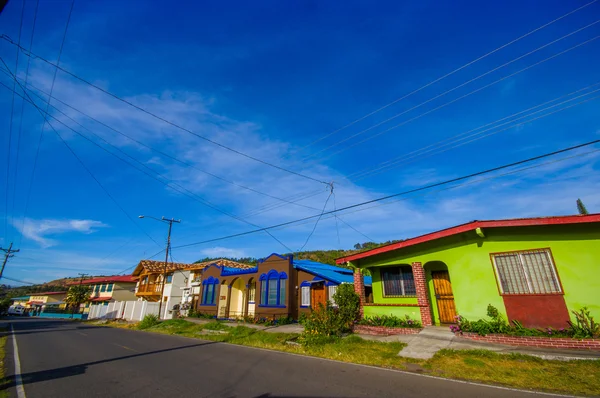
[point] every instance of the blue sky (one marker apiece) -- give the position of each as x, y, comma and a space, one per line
269, 79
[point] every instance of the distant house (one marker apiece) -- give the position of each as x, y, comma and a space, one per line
191, 291
22, 301
179, 283
533, 270
48, 301
278, 286
106, 289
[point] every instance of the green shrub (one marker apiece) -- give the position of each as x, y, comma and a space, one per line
585, 325
348, 302
391, 321
149, 321
284, 320
323, 324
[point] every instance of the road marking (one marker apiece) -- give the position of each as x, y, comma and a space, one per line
18, 377
83, 334
122, 346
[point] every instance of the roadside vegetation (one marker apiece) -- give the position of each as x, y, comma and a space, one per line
3, 380
584, 327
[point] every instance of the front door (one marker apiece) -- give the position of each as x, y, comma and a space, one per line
444, 296
318, 296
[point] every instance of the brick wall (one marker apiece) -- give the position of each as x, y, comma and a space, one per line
384, 331
359, 288
541, 342
422, 298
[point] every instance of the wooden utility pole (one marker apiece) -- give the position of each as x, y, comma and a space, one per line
8, 254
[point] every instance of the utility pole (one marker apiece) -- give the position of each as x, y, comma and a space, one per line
164, 274
8, 254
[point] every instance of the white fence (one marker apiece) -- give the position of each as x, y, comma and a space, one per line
128, 310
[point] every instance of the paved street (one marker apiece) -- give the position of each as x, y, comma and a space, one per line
66, 359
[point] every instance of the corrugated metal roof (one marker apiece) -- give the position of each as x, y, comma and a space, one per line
329, 272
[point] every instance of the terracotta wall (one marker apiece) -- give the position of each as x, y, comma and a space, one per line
537, 311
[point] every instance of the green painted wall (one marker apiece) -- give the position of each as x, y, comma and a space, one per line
412, 312
575, 248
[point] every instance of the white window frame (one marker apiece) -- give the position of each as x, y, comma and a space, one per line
526, 271
331, 289
305, 290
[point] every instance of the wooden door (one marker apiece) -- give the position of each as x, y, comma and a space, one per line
444, 296
318, 296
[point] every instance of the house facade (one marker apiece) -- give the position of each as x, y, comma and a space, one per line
534, 270
108, 289
278, 286
48, 301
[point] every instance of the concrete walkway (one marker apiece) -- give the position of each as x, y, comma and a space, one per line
432, 339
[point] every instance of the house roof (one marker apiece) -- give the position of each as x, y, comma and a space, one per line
106, 279
330, 272
471, 226
35, 302
20, 298
222, 262
96, 299
152, 266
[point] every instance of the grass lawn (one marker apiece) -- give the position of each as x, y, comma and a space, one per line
514, 370
3, 340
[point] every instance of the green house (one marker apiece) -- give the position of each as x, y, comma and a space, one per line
534, 270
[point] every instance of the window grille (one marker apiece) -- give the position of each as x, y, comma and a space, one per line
526, 272
398, 281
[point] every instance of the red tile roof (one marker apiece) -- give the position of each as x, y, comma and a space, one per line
515, 222
35, 302
106, 279
101, 299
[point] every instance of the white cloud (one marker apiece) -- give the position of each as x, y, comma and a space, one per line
38, 230
223, 252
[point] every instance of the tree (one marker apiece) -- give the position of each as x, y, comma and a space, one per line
77, 295
581, 207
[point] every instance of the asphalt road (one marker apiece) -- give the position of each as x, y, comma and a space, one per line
70, 359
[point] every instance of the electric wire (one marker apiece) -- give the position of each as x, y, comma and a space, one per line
187, 164
315, 153
39, 143
81, 162
317, 222
10, 128
164, 120
474, 137
448, 74
456, 137
455, 100
37, 3
404, 193
180, 188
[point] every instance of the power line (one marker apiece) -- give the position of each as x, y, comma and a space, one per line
171, 123
189, 193
39, 143
9, 146
458, 99
318, 219
423, 188
447, 75
420, 154
456, 136
81, 162
37, 3
151, 148
477, 181
180, 188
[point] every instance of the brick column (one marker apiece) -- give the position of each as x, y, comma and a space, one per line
422, 297
359, 288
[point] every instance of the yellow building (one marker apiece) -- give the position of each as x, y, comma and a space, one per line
109, 288
40, 301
